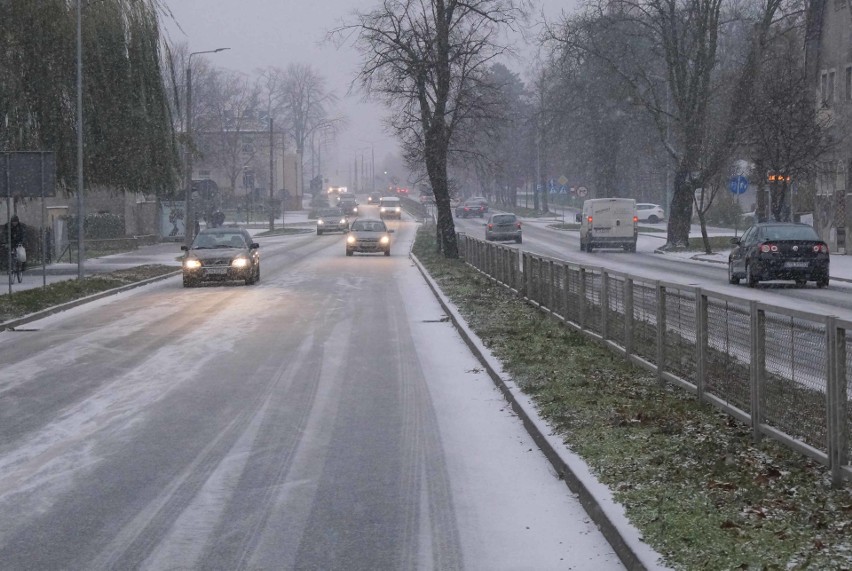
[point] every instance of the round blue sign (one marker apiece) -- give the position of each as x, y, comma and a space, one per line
738, 184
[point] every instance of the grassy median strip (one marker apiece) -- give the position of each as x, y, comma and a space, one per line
28, 301
691, 479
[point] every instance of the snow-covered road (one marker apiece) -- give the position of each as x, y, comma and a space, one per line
327, 418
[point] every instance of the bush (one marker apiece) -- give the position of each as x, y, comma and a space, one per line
99, 226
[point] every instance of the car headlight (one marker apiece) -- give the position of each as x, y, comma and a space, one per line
397, 209
382, 209
343, 220
384, 240
320, 222
350, 240
191, 264
354, 209
240, 262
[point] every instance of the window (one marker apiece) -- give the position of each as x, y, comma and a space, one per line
830, 93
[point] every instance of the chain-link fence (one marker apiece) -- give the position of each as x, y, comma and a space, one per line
782, 371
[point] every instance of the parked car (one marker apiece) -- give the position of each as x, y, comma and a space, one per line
374, 198
779, 251
331, 220
651, 213
472, 207
368, 235
503, 227
609, 223
390, 207
427, 198
221, 254
348, 205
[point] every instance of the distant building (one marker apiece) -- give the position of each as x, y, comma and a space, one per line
239, 165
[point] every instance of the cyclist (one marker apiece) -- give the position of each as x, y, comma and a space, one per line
18, 235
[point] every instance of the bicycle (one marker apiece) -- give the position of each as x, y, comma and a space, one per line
16, 269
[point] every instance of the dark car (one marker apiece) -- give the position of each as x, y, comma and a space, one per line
503, 227
374, 198
348, 205
368, 235
779, 251
472, 207
221, 254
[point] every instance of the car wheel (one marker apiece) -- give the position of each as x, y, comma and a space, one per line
519, 240
589, 246
652, 219
732, 278
822, 282
387, 252
801, 283
188, 282
319, 232
751, 279
349, 252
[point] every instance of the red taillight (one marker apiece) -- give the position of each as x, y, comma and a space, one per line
821, 249
766, 248
635, 219
590, 219
518, 224
491, 226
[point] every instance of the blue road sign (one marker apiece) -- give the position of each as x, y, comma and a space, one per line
738, 184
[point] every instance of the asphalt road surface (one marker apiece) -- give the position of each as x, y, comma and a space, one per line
326, 418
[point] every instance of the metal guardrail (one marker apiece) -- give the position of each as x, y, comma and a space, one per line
784, 372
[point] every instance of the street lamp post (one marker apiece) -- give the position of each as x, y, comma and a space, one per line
81, 215
189, 221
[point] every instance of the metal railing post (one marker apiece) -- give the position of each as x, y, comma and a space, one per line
836, 400
628, 316
581, 293
661, 331
758, 366
551, 303
701, 339
566, 291
604, 302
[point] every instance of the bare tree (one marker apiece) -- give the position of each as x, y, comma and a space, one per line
425, 59
306, 103
666, 52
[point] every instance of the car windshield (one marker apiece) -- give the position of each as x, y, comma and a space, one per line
369, 227
503, 219
390, 203
330, 212
218, 240
788, 233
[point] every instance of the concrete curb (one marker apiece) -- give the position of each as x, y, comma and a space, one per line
12, 324
595, 498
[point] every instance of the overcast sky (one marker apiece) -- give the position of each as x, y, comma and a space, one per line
262, 33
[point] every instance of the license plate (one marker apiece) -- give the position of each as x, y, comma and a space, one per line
796, 264
216, 271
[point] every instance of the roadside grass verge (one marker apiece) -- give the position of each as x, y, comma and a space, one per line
286, 231
690, 478
36, 299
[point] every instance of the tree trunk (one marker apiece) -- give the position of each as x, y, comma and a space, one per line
702, 219
680, 217
436, 168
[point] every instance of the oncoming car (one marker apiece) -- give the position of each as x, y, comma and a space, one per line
221, 254
331, 220
390, 207
368, 235
779, 251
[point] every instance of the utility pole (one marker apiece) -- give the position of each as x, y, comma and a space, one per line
272, 178
81, 211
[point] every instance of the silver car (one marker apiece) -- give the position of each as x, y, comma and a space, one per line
503, 227
368, 235
331, 220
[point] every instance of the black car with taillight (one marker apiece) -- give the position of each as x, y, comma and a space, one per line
779, 251
472, 207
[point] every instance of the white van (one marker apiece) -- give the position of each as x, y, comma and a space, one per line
609, 223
